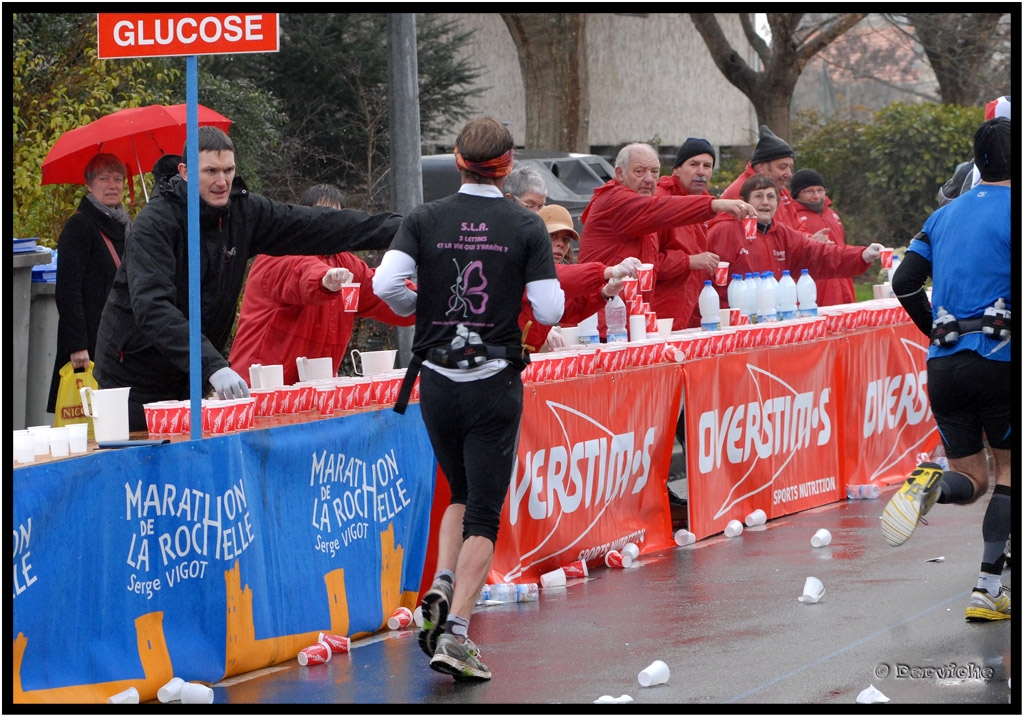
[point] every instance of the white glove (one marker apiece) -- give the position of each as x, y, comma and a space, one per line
627, 267
611, 288
228, 384
872, 252
555, 339
335, 277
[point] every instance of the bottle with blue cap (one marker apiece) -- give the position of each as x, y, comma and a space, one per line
709, 303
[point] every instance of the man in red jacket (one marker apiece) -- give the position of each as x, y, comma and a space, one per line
684, 261
773, 158
624, 217
816, 217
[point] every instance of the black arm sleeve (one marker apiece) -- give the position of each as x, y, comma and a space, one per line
908, 285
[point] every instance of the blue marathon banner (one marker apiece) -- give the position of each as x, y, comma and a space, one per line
204, 559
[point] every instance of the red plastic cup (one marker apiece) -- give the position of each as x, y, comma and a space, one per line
750, 228
316, 654
722, 273
886, 258
645, 274
401, 617
615, 559
629, 289
336, 643
577, 569
350, 297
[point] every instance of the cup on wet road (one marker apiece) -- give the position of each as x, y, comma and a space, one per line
316, 654
821, 538
553, 579
615, 559
576, 569
757, 517
813, 590
171, 692
733, 528
656, 673
401, 617
631, 550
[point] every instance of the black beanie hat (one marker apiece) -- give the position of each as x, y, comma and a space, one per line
803, 179
992, 146
692, 147
770, 147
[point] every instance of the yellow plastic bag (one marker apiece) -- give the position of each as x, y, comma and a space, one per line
69, 398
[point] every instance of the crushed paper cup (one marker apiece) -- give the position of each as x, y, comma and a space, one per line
870, 695
939, 559
609, 700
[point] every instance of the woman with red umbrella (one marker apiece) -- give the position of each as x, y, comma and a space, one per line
89, 252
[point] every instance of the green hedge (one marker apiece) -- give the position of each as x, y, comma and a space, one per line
883, 175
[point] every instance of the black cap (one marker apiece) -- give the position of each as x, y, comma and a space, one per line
692, 147
803, 179
770, 147
992, 150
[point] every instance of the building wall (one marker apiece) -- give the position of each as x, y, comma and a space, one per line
651, 79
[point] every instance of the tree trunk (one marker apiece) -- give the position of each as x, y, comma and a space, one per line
958, 45
770, 90
553, 60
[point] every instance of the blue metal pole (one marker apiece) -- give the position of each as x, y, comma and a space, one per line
195, 320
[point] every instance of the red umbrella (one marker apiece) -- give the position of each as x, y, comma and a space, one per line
138, 136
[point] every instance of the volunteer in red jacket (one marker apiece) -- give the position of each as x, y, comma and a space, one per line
624, 217
293, 307
816, 217
775, 247
772, 158
684, 260
587, 286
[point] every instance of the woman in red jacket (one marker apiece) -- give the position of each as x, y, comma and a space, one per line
587, 286
775, 247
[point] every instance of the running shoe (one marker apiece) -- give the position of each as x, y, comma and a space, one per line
985, 607
914, 499
435, 607
459, 657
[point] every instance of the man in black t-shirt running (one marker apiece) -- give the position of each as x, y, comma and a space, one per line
474, 255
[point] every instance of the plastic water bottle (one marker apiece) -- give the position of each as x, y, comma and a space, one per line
709, 304
588, 331
807, 294
615, 317
527, 592
867, 491
749, 307
892, 269
732, 294
766, 299
997, 321
785, 297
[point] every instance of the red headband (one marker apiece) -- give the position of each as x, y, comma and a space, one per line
495, 168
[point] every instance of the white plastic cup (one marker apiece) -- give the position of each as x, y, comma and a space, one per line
24, 447
821, 538
41, 439
571, 334
813, 590
733, 529
417, 616
125, 697
78, 437
656, 673
684, 537
553, 579
758, 517
632, 550
171, 692
194, 693
58, 441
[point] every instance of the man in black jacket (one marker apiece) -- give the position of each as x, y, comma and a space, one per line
143, 337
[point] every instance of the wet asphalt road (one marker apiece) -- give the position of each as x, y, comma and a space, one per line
724, 615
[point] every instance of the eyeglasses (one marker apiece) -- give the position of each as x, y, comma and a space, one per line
529, 205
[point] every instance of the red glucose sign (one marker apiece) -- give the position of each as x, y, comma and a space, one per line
150, 34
